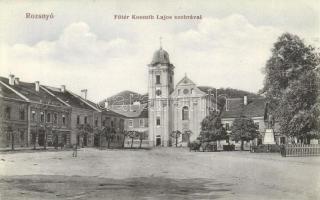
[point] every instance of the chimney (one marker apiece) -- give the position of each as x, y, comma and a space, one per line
84, 93
37, 85
63, 88
11, 79
16, 81
245, 100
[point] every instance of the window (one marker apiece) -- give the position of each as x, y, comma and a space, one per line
192, 91
178, 91
112, 124
55, 118
63, 119
7, 112
96, 122
78, 119
158, 92
170, 79
158, 121
257, 125
185, 113
157, 79
227, 126
41, 117
130, 123
21, 136
85, 120
141, 122
104, 123
33, 115
185, 91
48, 117
22, 114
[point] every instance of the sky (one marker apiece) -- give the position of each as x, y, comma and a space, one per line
84, 47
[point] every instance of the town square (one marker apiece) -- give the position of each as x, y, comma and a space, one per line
212, 101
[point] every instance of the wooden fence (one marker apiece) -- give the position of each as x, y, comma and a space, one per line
300, 150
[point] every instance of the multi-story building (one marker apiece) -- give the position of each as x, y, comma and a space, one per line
48, 117
253, 108
13, 118
84, 117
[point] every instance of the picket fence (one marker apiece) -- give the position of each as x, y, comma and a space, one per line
300, 150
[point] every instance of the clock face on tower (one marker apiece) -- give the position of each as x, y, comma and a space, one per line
158, 92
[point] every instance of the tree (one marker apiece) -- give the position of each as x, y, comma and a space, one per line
290, 85
108, 133
125, 134
211, 128
83, 129
175, 135
141, 135
243, 128
132, 135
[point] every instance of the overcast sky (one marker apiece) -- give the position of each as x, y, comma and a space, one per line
83, 46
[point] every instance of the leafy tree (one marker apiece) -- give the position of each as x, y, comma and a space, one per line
243, 129
141, 136
212, 128
290, 85
132, 135
175, 135
125, 134
83, 129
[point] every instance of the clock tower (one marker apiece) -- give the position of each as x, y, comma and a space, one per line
161, 85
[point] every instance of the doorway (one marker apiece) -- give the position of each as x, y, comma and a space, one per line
85, 139
41, 138
158, 141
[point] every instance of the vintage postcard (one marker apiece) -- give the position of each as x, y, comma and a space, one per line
159, 99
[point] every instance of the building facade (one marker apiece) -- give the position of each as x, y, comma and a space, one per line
48, 119
173, 108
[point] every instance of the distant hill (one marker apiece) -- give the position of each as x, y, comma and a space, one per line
229, 92
129, 97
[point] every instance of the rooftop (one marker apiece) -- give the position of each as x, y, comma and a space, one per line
236, 108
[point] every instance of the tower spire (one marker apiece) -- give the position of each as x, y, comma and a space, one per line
160, 39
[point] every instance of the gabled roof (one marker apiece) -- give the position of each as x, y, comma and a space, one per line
185, 81
131, 111
236, 108
28, 91
69, 98
8, 93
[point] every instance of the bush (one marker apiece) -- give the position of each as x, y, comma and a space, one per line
266, 148
195, 145
228, 147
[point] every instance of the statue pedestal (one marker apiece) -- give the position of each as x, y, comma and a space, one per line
269, 137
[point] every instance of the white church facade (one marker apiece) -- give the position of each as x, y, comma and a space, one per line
173, 108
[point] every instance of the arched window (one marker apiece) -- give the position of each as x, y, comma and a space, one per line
185, 113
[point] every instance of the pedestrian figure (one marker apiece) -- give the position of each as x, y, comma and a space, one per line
74, 154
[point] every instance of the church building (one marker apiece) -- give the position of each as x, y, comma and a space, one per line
171, 108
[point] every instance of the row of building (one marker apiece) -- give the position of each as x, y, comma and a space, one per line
37, 115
